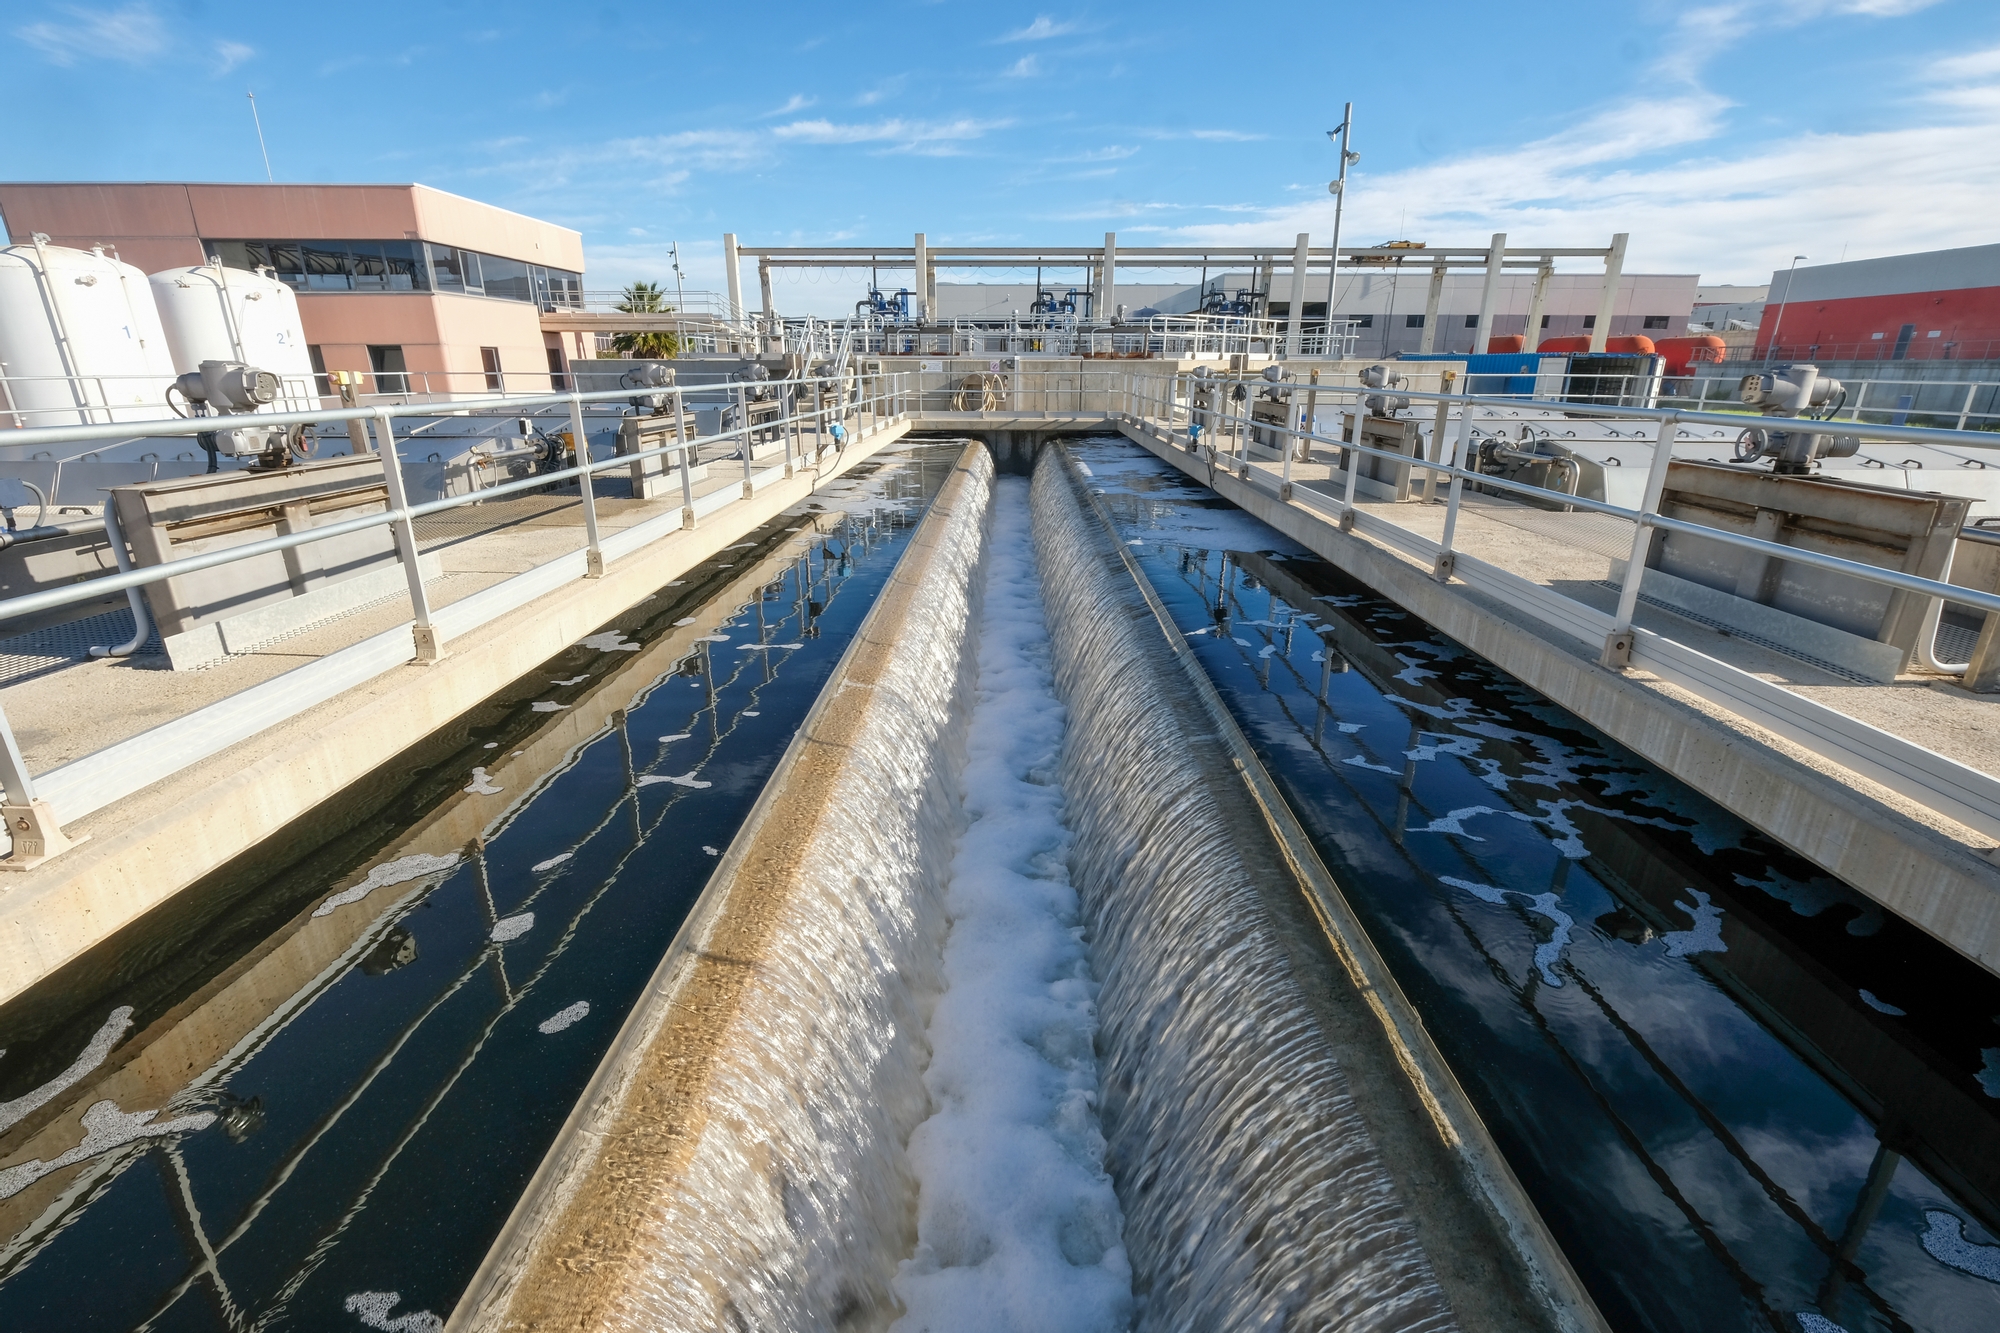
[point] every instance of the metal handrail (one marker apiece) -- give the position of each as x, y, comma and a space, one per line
1643, 517
91, 589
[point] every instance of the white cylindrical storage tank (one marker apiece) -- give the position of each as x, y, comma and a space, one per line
80, 339
230, 314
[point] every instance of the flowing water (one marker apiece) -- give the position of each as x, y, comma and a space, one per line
1742, 1095
1017, 1223
322, 1085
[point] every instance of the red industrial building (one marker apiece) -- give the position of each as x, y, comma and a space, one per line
1939, 305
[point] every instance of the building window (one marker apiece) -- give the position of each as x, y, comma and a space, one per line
1364, 321
1656, 321
390, 369
489, 359
1472, 321
557, 380
321, 384
401, 266
1413, 321
1590, 321
1545, 321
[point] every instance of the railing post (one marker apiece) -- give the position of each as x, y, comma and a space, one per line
1447, 560
1966, 410
593, 553
1617, 654
1290, 446
1360, 418
743, 433
429, 647
786, 403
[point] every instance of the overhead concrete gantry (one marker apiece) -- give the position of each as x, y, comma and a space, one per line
1100, 264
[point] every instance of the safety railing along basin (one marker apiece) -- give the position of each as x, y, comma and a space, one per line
831, 409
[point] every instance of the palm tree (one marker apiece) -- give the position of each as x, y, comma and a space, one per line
646, 298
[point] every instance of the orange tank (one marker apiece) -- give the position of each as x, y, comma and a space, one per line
1684, 354
1636, 345
1507, 342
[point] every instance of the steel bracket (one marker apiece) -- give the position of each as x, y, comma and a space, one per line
1446, 566
1617, 654
1347, 520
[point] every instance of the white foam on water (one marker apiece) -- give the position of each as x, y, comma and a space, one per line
1706, 937
610, 641
373, 1308
677, 736
399, 871
105, 1127
573, 680
1550, 951
686, 779
1017, 1224
547, 707
115, 1025
512, 927
684, 620
764, 647
483, 785
1882, 1006
551, 863
563, 1018
1944, 1240
712, 638
710, 850
1817, 1323
751, 712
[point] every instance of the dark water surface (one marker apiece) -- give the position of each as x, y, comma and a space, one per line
1742, 1095
365, 1052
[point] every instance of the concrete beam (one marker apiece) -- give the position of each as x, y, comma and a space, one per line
1607, 301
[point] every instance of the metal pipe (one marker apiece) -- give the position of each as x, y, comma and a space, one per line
142, 625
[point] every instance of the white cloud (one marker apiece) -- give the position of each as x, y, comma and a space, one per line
906, 134
228, 55
1211, 136
1040, 30
133, 35
797, 102
1024, 68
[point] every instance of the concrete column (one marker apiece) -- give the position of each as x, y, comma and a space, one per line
732, 275
1293, 324
1429, 341
764, 288
1537, 302
1607, 301
920, 287
1494, 256
1109, 308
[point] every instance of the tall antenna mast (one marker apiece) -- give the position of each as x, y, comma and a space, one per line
258, 121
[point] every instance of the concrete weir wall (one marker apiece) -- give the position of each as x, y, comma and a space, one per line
738, 1160
741, 1158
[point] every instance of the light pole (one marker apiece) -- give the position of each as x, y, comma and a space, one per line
1338, 188
1771, 347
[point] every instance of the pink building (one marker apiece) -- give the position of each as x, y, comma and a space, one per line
420, 289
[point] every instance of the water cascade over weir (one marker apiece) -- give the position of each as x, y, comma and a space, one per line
743, 1159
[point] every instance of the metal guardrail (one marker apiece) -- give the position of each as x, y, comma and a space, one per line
89, 783
1160, 401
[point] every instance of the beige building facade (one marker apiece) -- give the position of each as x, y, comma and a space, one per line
420, 290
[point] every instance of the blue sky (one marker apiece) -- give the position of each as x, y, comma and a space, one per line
1724, 135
